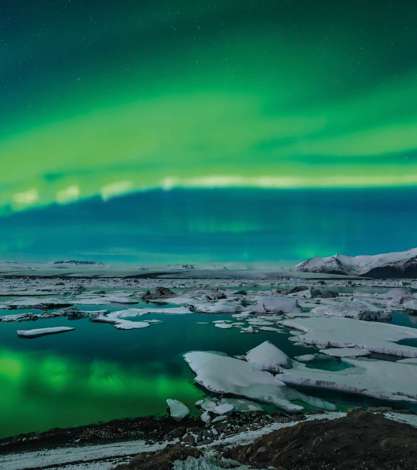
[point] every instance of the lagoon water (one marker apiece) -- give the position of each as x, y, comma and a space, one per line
98, 373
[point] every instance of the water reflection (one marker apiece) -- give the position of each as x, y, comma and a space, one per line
40, 391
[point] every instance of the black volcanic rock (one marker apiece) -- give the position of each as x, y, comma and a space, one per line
360, 441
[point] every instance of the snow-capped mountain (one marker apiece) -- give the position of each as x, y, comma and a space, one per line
398, 264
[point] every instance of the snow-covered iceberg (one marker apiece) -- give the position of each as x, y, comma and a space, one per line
266, 356
398, 264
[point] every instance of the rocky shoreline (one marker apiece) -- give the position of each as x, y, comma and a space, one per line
360, 440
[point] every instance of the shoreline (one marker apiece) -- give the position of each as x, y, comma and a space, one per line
252, 439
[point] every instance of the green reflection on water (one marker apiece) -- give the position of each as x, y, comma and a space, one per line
41, 391
97, 373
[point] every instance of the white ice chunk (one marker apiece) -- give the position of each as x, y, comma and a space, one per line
327, 332
274, 304
306, 357
385, 380
345, 352
358, 309
221, 306
222, 324
43, 331
222, 374
177, 409
218, 407
266, 356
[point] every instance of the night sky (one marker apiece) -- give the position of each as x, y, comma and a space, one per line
103, 98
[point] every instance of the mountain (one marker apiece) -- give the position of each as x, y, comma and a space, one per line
397, 264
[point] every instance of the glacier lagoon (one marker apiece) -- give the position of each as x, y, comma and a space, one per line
98, 373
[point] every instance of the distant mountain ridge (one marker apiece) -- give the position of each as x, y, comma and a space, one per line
76, 262
397, 264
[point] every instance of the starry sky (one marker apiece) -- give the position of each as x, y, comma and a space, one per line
106, 98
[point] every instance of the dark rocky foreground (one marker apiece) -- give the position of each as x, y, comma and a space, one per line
360, 441
190, 431
147, 428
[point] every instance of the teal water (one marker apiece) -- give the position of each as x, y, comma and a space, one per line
404, 319
97, 372
215, 225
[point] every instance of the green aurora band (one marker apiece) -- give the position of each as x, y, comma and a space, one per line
104, 98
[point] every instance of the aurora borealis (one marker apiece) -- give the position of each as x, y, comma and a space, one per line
101, 99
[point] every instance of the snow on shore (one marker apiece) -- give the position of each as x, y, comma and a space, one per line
76, 455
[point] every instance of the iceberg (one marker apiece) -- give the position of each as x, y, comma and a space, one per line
266, 356
177, 409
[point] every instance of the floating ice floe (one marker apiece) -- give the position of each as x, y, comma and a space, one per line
118, 318
384, 380
410, 306
177, 409
205, 417
395, 296
266, 356
131, 325
412, 360
43, 331
271, 328
357, 309
259, 322
248, 329
218, 407
221, 306
305, 357
177, 300
17, 317
222, 324
345, 352
222, 374
274, 304
327, 332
